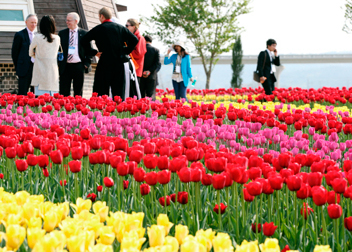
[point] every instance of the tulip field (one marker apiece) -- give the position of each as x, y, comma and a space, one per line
225, 170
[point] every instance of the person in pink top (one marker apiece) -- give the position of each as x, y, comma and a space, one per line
140, 49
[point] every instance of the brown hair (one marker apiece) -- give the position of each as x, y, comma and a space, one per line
105, 12
47, 27
134, 22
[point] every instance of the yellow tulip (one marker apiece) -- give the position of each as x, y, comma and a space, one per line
192, 246
49, 242
21, 197
81, 205
14, 219
63, 209
247, 246
118, 227
5, 250
76, 244
30, 210
163, 220
100, 209
180, 233
172, 242
15, 235
131, 240
101, 248
36, 199
222, 242
106, 235
51, 221
94, 225
35, 222
69, 227
44, 208
325, 248
270, 244
86, 215
34, 235
156, 235
60, 237
209, 233
167, 248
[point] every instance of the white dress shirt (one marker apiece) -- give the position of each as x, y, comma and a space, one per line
31, 36
273, 68
75, 58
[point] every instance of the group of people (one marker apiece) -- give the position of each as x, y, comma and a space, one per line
127, 65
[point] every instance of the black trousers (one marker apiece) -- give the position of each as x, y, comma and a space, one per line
269, 85
73, 72
110, 75
147, 86
24, 82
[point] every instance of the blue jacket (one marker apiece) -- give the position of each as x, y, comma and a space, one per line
185, 67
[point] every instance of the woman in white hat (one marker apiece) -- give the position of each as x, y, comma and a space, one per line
182, 72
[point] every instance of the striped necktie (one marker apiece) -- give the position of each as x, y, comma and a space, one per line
72, 38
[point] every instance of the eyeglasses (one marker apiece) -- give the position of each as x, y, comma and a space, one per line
127, 25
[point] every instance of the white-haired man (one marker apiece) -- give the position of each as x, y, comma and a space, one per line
76, 60
20, 57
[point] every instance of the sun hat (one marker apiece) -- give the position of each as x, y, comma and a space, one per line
179, 43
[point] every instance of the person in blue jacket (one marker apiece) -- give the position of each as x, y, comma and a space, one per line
182, 72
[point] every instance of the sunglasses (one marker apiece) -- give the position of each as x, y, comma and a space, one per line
127, 25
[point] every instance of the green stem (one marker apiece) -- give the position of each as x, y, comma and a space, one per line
22, 186
324, 226
278, 210
235, 195
76, 186
315, 224
30, 180
269, 207
296, 217
219, 211
256, 218
165, 201
304, 229
243, 211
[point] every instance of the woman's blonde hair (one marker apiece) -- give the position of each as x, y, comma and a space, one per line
134, 22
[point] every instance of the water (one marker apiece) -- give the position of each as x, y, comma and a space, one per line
294, 75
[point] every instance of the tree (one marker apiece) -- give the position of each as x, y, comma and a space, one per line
211, 26
348, 17
237, 65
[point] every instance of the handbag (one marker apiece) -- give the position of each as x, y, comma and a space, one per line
256, 76
60, 55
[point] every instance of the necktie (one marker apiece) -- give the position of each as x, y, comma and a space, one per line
72, 38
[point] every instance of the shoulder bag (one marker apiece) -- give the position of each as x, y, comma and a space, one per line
60, 54
256, 76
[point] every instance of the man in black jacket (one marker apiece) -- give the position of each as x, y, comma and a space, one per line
110, 38
265, 68
151, 67
76, 60
20, 54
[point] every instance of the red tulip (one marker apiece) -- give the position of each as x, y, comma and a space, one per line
164, 177
32, 160
196, 175
269, 228
108, 182
185, 175
145, 189
95, 143
255, 161
254, 173
219, 181
318, 167
75, 166
294, 183
93, 158
256, 227
334, 211
45, 172
331, 175
10, 152
162, 201
177, 163
254, 188
115, 160
284, 160
303, 192
139, 174
65, 182
163, 162
151, 178
222, 208
77, 153
99, 188
236, 173
125, 184
1, 176
315, 179
136, 155
150, 148
122, 169
286, 248
182, 197
339, 185
247, 196
101, 157
307, 210
348, 223
121, 144
43, 161
109, 146
333, 198
267, 189
320, 195
244, 178
347, 165
21, 165
207, 179
85, 133
150, 161
276, 182
56, 157
20, 151
92, 197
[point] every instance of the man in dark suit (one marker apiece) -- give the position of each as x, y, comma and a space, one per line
20, 54
151, 67
76, 60
265, 68
110, 38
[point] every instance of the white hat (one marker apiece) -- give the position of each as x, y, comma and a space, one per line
179, 43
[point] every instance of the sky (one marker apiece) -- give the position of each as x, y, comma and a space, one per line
298, 26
